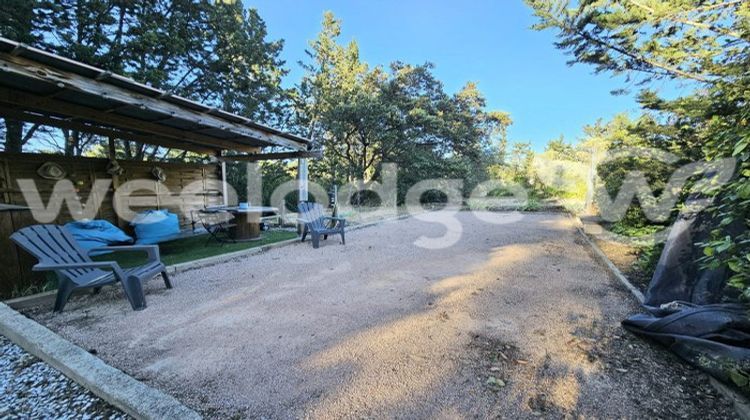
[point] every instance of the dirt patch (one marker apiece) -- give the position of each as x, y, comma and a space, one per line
649, 381
494, 361
624, 257
657, 382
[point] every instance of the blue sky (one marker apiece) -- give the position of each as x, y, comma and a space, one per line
485, 41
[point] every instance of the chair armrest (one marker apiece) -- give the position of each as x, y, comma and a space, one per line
111, 265
340, 220
152, 251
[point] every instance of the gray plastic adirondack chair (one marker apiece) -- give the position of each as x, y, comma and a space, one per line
317, 223
57, 251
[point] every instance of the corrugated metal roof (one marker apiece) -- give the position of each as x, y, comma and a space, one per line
42, 83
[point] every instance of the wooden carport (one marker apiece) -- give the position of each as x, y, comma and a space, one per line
38, 86
47, 89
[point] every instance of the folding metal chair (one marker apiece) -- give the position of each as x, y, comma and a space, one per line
218, 224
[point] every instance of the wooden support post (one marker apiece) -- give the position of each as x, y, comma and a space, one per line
112, 149
224, 189
302, 175
303, 188
254, 184
112, 154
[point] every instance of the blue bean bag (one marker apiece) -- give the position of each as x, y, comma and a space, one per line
95, 233
154, 226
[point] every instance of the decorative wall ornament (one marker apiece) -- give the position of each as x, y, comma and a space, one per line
159, 174
51, 170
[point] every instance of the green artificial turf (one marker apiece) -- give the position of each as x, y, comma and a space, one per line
194, 248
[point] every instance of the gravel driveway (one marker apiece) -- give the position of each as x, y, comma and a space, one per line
514, 320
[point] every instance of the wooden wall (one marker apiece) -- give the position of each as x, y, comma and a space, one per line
15, 274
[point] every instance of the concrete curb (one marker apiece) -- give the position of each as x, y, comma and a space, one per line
218, 259
604, 260
112, 385
30, 301
377, 222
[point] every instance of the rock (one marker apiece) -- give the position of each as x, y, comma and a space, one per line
30, 388
495, 382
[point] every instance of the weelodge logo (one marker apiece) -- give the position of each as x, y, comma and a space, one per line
124, 199
706, 177
130, 196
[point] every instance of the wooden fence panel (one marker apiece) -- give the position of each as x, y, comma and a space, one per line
15, 274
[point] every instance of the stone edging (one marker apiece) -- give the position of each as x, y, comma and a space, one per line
112, 385
610, 266
218, 259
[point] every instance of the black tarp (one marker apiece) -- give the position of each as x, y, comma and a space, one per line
689, 309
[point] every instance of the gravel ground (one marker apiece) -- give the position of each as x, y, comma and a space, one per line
31, 389
514, 320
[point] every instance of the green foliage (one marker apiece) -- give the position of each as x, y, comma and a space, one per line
515, 166
212, 52
424, 163
648, 256
560, 174
634, 225
365, 116
685, 39
532, 204
560, 149
563, 171
274, 173
700, 42
48, 284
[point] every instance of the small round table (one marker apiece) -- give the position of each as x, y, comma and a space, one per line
247, 221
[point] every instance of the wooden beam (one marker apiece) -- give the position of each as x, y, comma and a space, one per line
316, 154
43, 73
103, 131
54, 106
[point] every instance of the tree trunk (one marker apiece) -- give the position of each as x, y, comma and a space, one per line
13, 135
